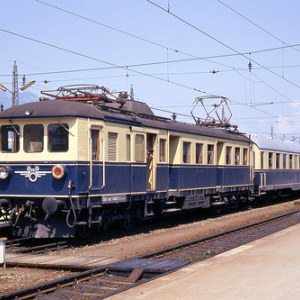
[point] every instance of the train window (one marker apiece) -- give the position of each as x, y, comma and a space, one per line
210, 154
291, 161
186, 158
128, 147
237, 156
284, 161
199, 153
228, 155
261, 160
10, 138
245, 157
270, 160
140, 151
33, 138
162, 150
95, 144
58, 137
112, 146
277, 160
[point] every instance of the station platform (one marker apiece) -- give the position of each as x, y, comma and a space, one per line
268, 268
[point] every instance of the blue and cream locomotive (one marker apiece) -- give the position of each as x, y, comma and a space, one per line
86, 160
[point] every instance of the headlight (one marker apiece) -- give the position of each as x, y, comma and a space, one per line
58, 171
4, 172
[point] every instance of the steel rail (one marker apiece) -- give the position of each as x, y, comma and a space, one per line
43, 288
158, 253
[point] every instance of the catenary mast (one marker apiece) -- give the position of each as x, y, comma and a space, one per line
15, 94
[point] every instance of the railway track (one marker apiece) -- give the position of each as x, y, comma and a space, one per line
38, 246
102, 282
24, 245
212, 245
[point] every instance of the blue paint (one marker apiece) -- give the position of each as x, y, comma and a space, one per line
278, 177
162, 177
192, 176
233, 175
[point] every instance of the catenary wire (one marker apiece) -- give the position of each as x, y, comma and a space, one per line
220, 42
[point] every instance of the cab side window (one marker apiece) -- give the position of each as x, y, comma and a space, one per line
112, 146
10, 138
140, 148
95, 144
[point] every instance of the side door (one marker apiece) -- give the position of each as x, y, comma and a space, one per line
151, 157
97, 169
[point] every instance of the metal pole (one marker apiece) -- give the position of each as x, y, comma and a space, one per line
2, 254
15, 95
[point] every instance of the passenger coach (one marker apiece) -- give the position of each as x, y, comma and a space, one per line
276, 165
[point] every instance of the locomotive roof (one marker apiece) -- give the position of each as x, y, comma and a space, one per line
275, 145
197, 129
134, 113
44, 109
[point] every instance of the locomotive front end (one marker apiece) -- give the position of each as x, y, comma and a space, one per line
39, 169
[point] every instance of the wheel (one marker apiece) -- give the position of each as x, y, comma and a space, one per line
129, 219
106, 219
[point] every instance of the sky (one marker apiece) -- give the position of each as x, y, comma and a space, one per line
170, 51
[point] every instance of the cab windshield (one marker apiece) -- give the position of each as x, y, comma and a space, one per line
33, 138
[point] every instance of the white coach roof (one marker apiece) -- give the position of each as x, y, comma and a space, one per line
276, 144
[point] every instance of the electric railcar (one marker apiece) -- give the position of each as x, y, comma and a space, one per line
85, 161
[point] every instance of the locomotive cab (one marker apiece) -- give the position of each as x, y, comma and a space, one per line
39, 167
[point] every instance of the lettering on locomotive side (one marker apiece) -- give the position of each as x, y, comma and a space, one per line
119, 198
